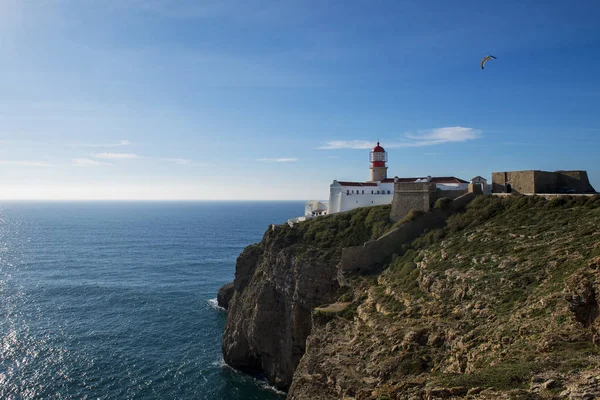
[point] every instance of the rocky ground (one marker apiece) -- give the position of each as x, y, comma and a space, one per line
500, 304
279, 282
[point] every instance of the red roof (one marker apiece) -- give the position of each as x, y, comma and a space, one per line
357, 183
378, 149
436, 179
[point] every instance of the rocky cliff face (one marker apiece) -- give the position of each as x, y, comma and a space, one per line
278, 283
269, 315
502, 303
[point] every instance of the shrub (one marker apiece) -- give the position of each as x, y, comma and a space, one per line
327, 235
558, 201
504, 376
443, 203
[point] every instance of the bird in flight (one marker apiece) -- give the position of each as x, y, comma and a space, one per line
486, 59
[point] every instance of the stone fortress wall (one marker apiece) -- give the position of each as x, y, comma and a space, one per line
419, 196
535, 181
363, 258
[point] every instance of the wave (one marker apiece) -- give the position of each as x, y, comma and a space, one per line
266, 386
261, 383
215, 304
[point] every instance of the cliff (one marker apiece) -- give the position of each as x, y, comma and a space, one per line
501, 302
278, 283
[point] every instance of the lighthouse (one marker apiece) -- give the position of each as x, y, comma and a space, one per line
378, 159
379, 190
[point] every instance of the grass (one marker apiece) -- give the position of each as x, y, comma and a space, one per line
487, 289
505, 376
508, 253
327, 235
548, 239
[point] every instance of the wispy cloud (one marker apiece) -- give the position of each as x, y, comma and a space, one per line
26, 163
87, 162
347, 144
116, 156
279, 160
332, 156
443, 135
421, 139
120, 143
179, 161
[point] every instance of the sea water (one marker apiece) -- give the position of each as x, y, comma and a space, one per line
112, 300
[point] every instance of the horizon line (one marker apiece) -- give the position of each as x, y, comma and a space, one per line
147, 200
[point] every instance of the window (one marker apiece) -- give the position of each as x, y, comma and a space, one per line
363, 192
388, 192
378, 192
371, 193
347, 191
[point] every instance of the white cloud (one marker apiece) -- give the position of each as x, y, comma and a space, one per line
277, 159
423, 138
347, 144
179, 161
25, 163
445, 135
120, 143
332, 156
116, 156
86, 162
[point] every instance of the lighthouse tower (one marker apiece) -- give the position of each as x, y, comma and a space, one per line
378, 158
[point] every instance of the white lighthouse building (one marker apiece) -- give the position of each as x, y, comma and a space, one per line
379, 190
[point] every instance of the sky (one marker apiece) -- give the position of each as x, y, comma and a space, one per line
274, 99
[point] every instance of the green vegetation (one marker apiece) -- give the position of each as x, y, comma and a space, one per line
412, 214
327, 235
504, 377
520, 242
495, 274
350, 312
443, 203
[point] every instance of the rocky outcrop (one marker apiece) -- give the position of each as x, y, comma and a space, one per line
268, 322
500, 303
279, 282
224, 295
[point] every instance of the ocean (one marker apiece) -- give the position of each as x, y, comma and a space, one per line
114, 300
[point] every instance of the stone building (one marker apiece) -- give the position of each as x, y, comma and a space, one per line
535, 181
379, 190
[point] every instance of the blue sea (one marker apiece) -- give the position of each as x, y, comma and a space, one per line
112, 300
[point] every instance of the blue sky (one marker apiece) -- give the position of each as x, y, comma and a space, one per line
192, 99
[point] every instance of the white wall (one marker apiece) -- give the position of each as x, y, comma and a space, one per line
316, 206
452, 186
345, 198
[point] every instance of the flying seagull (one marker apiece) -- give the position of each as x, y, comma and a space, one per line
486, 59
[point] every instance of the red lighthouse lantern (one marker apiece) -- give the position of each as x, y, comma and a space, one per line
378, 159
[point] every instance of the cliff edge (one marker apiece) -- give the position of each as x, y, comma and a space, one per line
278, 283
501, 302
